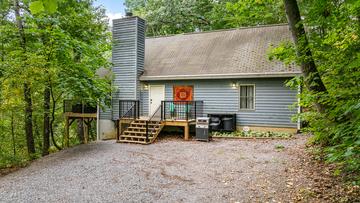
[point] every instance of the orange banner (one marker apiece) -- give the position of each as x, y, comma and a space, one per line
183, 93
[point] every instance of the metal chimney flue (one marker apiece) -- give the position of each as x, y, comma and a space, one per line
128, 13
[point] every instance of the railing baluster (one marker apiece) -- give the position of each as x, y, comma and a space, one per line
147, 131
195, 109
138, 109
181, 110
162, 103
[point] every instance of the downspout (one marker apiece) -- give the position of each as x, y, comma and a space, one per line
98, 121
299, 111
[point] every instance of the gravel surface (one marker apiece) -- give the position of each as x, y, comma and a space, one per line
170, 170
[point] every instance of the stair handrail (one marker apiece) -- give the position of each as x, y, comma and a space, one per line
123, 116
151, 119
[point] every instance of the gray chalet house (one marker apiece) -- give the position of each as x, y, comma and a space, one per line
172, 80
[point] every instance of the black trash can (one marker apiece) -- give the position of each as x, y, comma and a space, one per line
215, 123
228, 124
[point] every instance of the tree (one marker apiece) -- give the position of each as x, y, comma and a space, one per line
46, 62
165, 17
328, 53
171, 17
312, 77
230, 14
27, 89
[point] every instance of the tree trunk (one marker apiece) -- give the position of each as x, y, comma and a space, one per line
13, 133
311, 75
80, 122
53, 117
46, 135
28, 120
27, 89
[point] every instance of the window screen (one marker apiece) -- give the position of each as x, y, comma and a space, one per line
247, 94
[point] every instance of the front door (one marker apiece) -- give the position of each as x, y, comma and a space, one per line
157, 94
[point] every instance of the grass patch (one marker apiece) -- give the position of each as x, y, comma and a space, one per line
253, 134
279, 147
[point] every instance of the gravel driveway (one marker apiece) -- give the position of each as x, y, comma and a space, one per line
170, 170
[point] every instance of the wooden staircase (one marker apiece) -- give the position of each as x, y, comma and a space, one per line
136, 132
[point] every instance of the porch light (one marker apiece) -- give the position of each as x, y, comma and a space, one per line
146, 86
233, 85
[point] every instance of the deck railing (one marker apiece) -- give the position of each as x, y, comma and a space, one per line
181, 110
76, 106
156, 116
129, 109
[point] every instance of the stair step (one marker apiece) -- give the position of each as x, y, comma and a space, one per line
132, 141
138, 132
134, 136
144, 122
142, 128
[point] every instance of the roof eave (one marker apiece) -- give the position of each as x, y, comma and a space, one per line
220, 76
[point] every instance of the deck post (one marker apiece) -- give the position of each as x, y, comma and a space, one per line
186, 131
85, 131
118, 126
66, 137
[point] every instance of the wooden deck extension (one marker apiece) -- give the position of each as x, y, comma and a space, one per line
181, 123
169, 122
86, 118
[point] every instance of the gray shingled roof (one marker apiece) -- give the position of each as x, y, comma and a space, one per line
237, 53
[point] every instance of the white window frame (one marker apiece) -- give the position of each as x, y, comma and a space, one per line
239, 93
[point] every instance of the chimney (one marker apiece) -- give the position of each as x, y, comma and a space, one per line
127, 58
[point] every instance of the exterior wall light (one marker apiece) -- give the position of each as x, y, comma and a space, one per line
234, 85
146, 86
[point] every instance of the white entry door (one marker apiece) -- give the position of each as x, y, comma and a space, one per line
157, 94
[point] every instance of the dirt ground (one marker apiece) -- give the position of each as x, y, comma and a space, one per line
170, 170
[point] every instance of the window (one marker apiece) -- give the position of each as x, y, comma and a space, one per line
247, 97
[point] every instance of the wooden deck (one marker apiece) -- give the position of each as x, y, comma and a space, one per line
168, 122
86, 118
181, 123
80, 115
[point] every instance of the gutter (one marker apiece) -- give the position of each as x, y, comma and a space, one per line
221, 76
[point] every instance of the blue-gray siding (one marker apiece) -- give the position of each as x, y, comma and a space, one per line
272, 105
128, 62
105, 113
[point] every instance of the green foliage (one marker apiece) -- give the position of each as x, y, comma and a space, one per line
39, 6
166, 17
279, 146
230, 14
253, 134
333, 29
66, 42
